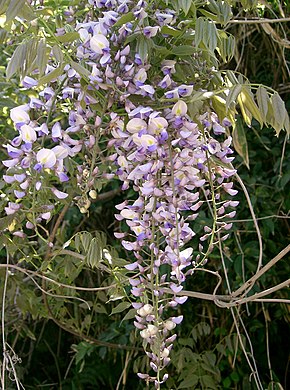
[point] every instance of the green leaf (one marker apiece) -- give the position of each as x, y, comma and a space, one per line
7, 102
94, 255
82, 71
219, 105
3, 6
99, 308
279, 112
233, 94
13, 9
222, 9
120, 307
57, 53
3, 35
53, 75
232, 79
248, 99
167, 30
86, 239
183, 50
42, 56
26, 13
206, 33
16, 61
125, 19
143, 48
185, 5
240, 141
208, 382
209, 15
247, 116
131, 314
226, 46
190, 381
263, 101
68, 37
199, 26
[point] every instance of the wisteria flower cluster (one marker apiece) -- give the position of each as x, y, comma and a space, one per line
175, 162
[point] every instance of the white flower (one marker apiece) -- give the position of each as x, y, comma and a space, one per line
157, 124
169, 325
179, 108
98, 43
46, 157
28, 133
19, 114
135, 125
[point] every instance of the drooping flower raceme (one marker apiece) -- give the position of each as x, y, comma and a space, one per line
175, 161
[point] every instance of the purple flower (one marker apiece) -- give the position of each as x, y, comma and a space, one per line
59, 194
12, 208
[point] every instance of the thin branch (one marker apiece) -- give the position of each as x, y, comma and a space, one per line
255, 220
259, 218
54, 231
269, 265
4, 351
88, 338
259, 21
255, 372
220, 300
108, 194
267, 344
272, 300
270, 290
59, 284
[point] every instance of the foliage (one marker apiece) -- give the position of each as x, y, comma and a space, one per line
78, 76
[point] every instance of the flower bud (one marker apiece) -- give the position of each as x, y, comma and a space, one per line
169, 325
145, 310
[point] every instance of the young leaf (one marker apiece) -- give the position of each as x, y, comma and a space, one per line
248, 100
26, 13
245, 112
219, 105
13, 9
240, 141
233, 94
226, 46
3, 6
